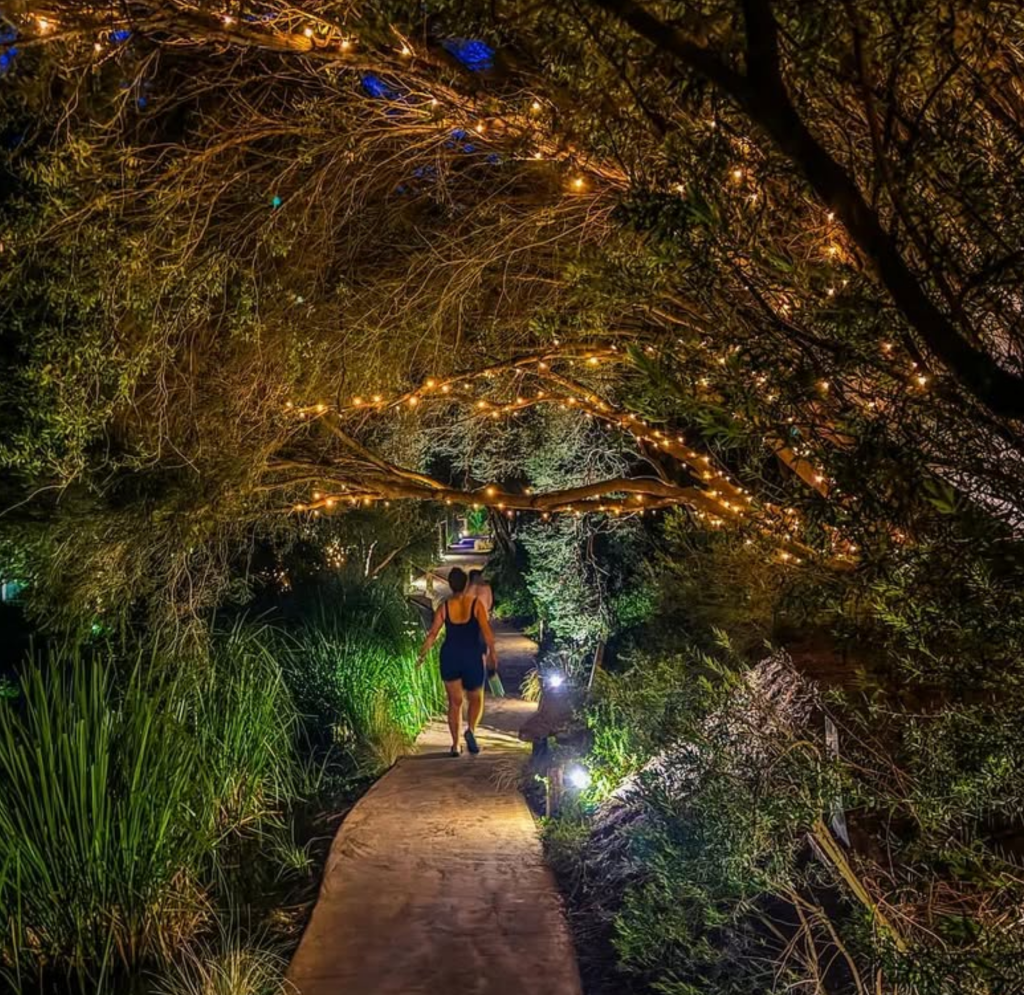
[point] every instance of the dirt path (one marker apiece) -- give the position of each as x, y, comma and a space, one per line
436, 882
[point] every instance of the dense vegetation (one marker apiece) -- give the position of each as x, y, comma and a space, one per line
712, 305
818, 817
157, 805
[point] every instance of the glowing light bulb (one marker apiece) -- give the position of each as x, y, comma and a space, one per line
578, 183
535, 106
737, 175
308, 32
578, 776
345, 44
555, 680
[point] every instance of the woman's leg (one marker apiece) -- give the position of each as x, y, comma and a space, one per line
476, 707
454, 689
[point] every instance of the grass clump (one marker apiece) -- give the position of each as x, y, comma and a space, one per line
354, 666
234, 968
120, 783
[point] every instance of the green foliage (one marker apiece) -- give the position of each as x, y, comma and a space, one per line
118, 789
710, 780
587, 579
353, 668
245, 727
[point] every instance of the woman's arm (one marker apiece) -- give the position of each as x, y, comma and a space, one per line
488, 633
435, 628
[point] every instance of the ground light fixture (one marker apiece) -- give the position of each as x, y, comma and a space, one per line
554, 680
578, 776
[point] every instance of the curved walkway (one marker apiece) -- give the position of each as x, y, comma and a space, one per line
436, 882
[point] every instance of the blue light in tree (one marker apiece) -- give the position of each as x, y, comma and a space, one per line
276, 201
120, 35
475, 55
376, 87
8, 55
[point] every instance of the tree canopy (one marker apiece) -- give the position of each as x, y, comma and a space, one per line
753, 259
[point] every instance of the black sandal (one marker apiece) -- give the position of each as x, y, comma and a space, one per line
474, 746
455, 751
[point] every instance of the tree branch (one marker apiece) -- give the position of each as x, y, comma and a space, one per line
763, 96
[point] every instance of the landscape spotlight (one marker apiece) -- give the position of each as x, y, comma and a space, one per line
578, 776
555, 680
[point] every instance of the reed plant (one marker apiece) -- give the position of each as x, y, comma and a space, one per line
104, 818
121, 781
244, 725
354, 666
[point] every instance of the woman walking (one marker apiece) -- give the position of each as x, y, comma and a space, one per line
462, 666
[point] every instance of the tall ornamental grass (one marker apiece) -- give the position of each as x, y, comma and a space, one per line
244, 726
118, 785
104, 818
354, 666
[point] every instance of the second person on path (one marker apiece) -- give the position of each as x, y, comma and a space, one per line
466, 626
